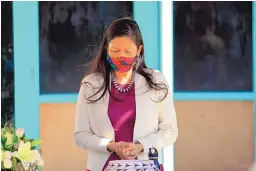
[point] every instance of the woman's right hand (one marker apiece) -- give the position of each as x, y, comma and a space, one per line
113, 146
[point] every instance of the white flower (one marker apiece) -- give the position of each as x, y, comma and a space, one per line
25, 164
2, 155
40, 162
7, 163
7, 155
25, 153
20, 132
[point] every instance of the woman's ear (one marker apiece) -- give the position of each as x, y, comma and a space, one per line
139, 50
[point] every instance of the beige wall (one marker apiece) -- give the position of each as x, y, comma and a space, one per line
56, 130
213, 136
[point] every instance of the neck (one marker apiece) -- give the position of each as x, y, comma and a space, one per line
123, 78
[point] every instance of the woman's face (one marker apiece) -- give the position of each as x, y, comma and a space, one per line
123, 47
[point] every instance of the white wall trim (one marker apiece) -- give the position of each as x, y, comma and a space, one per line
167, 65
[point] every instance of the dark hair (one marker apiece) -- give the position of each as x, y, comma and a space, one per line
120, 27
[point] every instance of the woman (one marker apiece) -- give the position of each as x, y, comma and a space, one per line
123, 107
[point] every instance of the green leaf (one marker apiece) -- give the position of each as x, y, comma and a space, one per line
15, 139
8, 147
35, 143
3, 140
25, 140
37, 168
14, 162
6, 125
9, 139
16, 146
3, 132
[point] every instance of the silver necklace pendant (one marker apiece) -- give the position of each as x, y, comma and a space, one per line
120, 89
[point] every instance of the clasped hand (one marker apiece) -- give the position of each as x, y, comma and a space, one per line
126, 150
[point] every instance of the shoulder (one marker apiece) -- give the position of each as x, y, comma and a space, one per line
151, 71
94, 79
157, 75
90, 84
160, 80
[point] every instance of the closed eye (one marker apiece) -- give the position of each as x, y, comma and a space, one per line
115, 51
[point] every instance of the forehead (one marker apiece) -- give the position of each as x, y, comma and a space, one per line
122, 42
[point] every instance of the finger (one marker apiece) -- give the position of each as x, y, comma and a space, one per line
130, 157
132, 146
120, 144
129, 146
131, 153
117, 151
127, 153
120, 153
124, 145
124, 154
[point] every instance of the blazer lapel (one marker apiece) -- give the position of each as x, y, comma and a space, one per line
140, 89
103, 107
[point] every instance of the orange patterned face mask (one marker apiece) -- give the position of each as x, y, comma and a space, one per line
121, 64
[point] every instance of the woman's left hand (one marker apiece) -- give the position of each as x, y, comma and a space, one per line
122, 154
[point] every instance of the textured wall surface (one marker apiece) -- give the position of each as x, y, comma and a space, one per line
214, 136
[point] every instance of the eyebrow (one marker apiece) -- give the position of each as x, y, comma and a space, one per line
114, 48
125, 49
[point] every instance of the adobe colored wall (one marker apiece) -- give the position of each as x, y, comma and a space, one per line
213, 135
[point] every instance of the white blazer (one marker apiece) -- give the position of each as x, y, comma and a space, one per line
155, 125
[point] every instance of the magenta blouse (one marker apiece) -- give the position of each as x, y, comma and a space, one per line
122, 116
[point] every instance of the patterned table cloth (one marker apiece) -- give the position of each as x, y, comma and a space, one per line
131, 165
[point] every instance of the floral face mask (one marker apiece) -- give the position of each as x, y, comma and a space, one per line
121, 64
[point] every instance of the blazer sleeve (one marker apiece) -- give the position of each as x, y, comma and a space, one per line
167, 130
84, 136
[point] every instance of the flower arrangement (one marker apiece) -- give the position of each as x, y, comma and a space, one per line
18, 153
